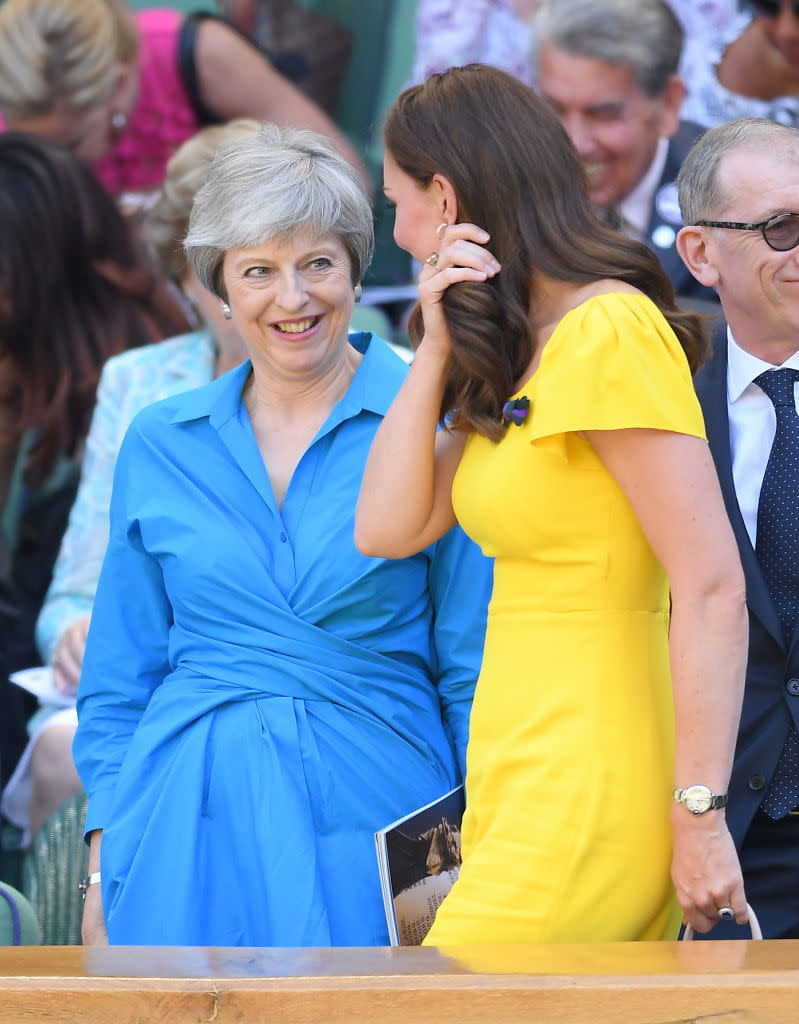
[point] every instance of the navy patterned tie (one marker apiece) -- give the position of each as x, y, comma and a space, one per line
612, 217
777, 547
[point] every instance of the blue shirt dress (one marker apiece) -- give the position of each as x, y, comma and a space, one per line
257, 697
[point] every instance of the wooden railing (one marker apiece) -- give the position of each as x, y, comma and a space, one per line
624, 983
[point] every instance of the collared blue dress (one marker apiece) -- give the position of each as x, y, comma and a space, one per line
257, 697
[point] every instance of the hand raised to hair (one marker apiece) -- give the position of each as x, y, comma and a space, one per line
462, 256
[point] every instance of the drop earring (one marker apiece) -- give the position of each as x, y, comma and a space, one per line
357, 292
226, 311
118, 121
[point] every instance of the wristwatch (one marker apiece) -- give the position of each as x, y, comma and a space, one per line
698, 799
92, 879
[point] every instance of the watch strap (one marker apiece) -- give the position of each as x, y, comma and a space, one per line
90, 879
717, 800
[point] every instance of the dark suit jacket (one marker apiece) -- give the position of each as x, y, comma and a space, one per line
665, 220
772, 671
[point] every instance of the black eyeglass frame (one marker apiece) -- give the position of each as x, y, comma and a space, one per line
760, 226
771, 10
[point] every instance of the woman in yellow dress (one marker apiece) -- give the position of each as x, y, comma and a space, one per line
574, 452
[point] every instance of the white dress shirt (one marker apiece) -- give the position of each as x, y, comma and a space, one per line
635, 209
753, 423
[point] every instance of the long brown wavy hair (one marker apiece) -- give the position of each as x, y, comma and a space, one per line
516, 174
77, 285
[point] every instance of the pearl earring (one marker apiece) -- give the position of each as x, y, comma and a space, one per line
226, 311
118, 121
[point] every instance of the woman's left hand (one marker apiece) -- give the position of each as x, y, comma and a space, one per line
68, 656
705, 868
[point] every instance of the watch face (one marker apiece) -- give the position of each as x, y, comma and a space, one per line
698, 799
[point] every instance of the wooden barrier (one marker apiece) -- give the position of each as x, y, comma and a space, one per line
624, 983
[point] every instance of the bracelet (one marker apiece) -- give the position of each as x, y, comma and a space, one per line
92, 879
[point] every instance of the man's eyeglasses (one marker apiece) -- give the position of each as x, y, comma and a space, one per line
771, 8
780, 232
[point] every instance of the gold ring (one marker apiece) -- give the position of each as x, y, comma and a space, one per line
432, 260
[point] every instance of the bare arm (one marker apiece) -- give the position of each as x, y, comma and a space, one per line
235, 80
405, 501
406, 495
671, 484
92, 930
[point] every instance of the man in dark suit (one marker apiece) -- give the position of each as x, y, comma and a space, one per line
739, 195
609, 70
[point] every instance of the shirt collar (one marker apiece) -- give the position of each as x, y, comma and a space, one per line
636, 207
373, 388
743, 367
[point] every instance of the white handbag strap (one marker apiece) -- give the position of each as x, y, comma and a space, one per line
753, 922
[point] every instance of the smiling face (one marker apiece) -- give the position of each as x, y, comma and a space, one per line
758, 287
418, 211
613, 125
292, 301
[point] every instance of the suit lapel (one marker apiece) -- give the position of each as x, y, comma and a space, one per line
711, 387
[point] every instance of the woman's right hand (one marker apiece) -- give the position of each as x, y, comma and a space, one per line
68, 655
92, 930
462, 256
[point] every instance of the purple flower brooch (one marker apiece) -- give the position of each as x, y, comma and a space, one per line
515, 411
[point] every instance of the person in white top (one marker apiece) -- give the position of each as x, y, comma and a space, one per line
747, 67
739, 195
450, 33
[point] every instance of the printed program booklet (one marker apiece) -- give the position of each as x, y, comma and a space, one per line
419, 857
39, 682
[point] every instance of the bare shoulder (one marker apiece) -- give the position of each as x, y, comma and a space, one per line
222, 52
752, 66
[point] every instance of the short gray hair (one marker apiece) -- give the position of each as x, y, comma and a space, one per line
166, 224
699, 188
644, 35
278, 183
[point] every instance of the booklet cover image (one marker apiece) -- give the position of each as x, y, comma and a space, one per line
419, 857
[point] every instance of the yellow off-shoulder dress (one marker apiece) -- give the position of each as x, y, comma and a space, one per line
567, 836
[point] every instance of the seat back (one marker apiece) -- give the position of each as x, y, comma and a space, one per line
57, 860
18, 924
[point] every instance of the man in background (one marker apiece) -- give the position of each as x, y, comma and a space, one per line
609, 70
739, 196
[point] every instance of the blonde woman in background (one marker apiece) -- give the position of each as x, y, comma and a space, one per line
124, 90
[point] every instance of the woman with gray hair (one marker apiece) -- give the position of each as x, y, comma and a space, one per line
247, 669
